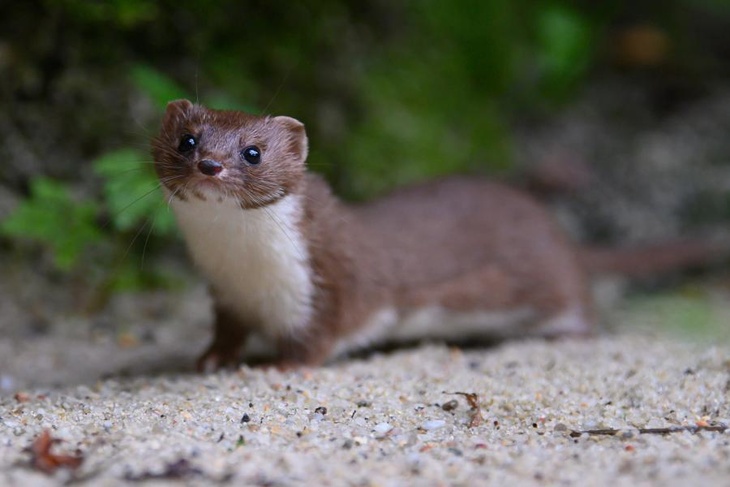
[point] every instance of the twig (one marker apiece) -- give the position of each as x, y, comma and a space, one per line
721, 428
476, 413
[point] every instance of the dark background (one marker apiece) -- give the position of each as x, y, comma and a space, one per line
624, 103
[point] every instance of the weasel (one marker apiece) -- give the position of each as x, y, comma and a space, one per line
288, 261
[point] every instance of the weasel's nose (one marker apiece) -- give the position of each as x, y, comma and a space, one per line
210, 168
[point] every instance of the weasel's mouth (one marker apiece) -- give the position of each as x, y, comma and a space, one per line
197, 187
209, 188
206, 184
216, 189
209, 181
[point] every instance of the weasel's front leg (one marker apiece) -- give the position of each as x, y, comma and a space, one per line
229, 337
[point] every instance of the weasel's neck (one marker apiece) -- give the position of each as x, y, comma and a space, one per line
257, 260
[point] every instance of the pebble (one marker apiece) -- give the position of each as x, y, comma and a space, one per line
394, 440
450, 405
7, 383
433, 424
382, 428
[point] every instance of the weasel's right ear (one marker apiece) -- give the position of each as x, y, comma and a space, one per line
296, 136
175, 111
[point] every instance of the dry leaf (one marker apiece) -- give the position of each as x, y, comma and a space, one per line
42, 459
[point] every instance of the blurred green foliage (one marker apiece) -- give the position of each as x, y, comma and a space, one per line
159, 88
68, 227
566, 42
131, 199
436, 99
132, 194
51, 216
121, 13
694, 315
391, 92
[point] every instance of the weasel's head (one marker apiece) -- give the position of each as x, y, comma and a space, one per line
221, 154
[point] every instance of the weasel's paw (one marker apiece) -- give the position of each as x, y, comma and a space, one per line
279, 365
570, 323
213, 360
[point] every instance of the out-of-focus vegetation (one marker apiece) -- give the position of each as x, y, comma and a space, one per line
390, 92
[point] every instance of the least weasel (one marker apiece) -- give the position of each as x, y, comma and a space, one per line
287, 260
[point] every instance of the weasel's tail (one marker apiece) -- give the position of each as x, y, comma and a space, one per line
653, 259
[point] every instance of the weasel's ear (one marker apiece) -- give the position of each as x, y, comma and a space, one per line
175, 111
296, 135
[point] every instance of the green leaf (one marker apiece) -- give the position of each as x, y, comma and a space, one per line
132, 192
52, 218
565, 46
158, 87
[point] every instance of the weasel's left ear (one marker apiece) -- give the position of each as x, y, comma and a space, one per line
297, 136
176, 110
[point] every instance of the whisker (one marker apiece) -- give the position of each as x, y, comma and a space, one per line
262, 204
143, 163
284, 231
279, 88
157, 186
147, 239
144, 132
134, 239
173, 194
132, 162
128, 171
197, 95
182, 189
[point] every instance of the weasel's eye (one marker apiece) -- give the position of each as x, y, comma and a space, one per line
187, 143
251, 154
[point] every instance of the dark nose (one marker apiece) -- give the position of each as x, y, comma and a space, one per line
210, 168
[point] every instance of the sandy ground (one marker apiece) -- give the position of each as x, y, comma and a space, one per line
134, 411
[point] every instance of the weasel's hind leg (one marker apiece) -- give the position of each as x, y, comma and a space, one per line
564, 306
508, 302
312, 351
573, 321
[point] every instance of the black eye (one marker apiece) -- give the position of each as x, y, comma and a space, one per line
187, 143
252, 154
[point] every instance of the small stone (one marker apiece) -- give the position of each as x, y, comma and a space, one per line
434, 424
561, 427
626, 434
246, 418
22, 397
321, 410
7, 383
382, 428
414, 459
450, 406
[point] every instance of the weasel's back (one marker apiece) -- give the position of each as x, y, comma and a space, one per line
465, 255
441, 228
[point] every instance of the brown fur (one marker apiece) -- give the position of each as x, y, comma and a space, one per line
219, 131
646, 261
461, 244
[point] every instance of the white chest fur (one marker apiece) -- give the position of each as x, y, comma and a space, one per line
256, 260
